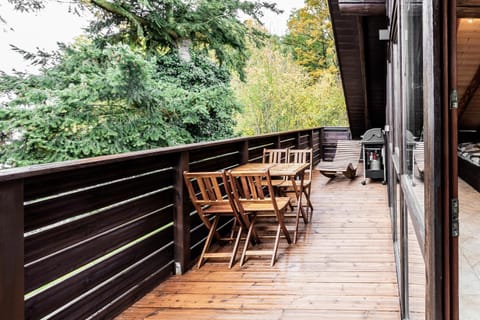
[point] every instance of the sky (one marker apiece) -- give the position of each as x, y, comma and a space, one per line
53, 24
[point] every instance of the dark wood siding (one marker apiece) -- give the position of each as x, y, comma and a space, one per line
362, 61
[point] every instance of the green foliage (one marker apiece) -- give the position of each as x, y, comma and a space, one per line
279, 95
111, 100
207, 25
311, 40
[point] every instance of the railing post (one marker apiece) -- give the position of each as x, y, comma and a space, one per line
11, 250
310, 141
320, 144
182, 218
244, 152
278, 142
299, 137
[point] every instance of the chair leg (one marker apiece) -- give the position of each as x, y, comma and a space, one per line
211, 233
297, 222
275, 248
232, 232
235, 246
282, 225
307, 196
247, 240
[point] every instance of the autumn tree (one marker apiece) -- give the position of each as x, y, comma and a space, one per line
279, 95
310, 37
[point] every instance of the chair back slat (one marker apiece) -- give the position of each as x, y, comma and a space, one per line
254, 187
208, 189
251, 187
302, 156
275, 155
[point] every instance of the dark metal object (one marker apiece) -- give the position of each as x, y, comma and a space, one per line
373, 155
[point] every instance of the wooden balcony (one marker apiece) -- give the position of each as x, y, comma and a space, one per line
87, 238
342, 267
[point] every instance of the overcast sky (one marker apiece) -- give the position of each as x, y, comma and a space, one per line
54, 24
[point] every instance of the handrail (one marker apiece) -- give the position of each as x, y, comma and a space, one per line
33, 170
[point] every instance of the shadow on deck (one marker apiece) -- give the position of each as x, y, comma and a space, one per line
342, 267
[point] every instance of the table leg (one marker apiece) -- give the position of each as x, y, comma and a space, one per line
299, 194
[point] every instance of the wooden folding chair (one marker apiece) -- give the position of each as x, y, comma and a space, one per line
418, 158
211, 196
275, 155
301, 156
255, 200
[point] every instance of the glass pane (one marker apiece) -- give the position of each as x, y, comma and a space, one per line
416, 276
413, 163
413, 155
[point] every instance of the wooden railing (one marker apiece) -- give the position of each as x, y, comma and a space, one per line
86, 238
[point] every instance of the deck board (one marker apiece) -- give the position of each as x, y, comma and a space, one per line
342, 267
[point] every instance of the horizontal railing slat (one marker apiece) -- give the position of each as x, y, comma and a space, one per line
214, 152
133, 279
60, 182
56, 297
53, 267
137, 290
216, 164
198, 234
50, 211
48, 242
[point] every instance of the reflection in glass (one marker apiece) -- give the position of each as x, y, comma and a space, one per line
398, 232
416, 276
412, 160
414, 79
413, 84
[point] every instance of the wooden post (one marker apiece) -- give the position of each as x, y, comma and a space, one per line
244, 152
182, 218
11, 250
320, 144
278, 142
312, 133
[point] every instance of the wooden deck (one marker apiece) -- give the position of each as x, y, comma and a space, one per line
469, 251
342, 267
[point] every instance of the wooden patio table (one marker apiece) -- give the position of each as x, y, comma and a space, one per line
290, 170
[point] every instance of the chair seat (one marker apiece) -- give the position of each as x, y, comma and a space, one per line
219, 209
288, 183
261, 205
277, 182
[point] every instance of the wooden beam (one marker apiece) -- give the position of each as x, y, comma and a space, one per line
468, 9
11, 250
362, 7
469, 93
361, 45
468, 12
182, 218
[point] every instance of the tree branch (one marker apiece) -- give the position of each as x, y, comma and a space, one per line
137, 21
